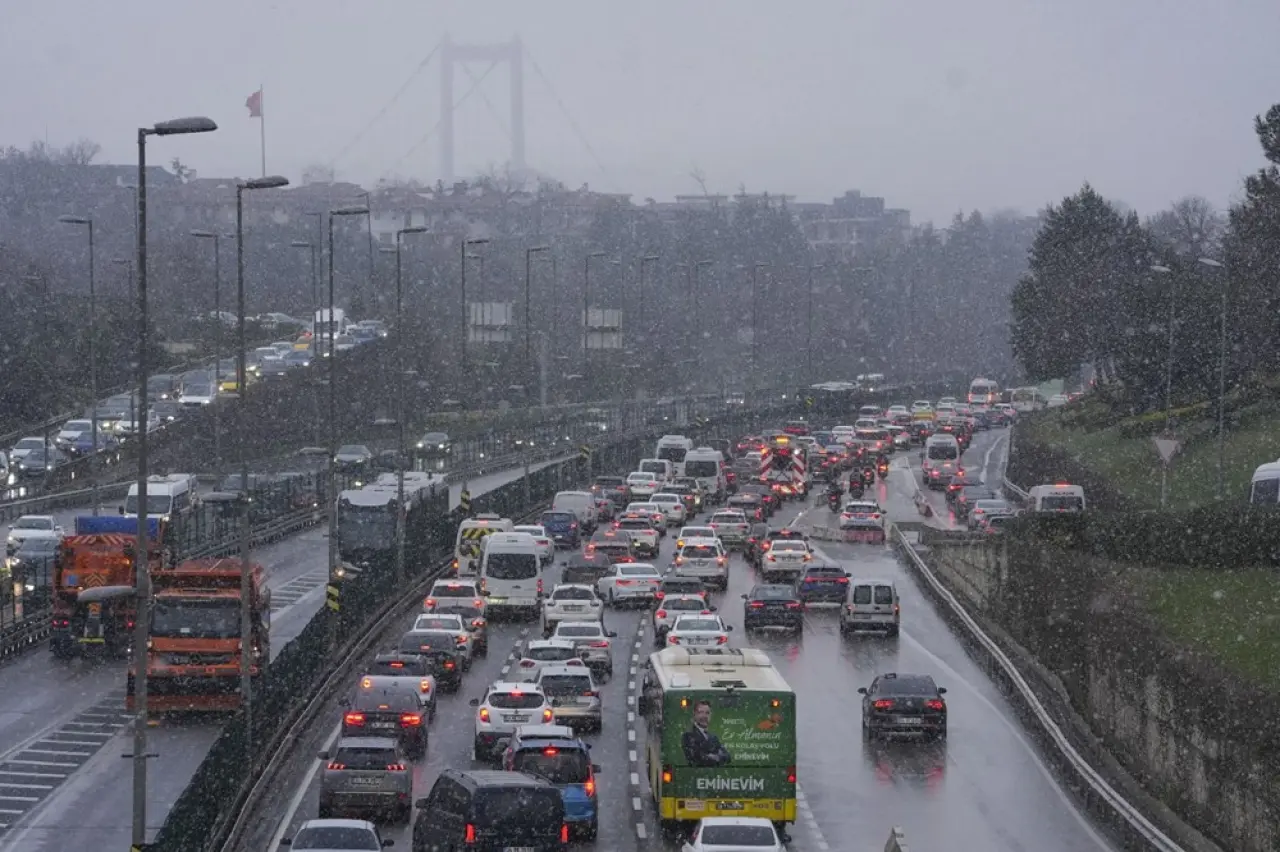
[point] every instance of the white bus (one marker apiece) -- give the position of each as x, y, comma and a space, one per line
983, 392
1025, 400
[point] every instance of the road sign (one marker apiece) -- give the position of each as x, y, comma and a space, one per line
331, 597
1167, 448
584, 452
701, 421
464, 502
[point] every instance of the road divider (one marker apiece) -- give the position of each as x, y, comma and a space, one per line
897, 841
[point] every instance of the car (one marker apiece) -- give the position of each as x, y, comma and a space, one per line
675, 584
543, 652
502, 708
672, 607
673, 506
655, 512
410, 669
575, 698
571, 602
985, 508
26, 445
785, 561
441, 653
757, 543
871, 605
731, 528
454, 591
691, 492
968, 496
752, 506
629, 582
770, 605
434, 444
645, 537
733, 834
505, 810
614, 488
705, 559
959, 482
642, 485
593, 641
546, 547
563, 528
993, 524
899, 704
336, 835
863, 518
32, 526
473, 618
698, 630
687, 533
394, 713
615, 545
366, 775
823, 583
769, 499
556, 753
352, 455
584, 568
455, 626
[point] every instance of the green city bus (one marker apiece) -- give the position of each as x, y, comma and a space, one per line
721, 739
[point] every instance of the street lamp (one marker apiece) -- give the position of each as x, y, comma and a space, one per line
1222, 375
466, 319
808, 347
645, 260
314, 247
1168, 385
217, 340
142, 580
249, 650
755, 315
332, 325
528, 300
400, 408
93, 355
586, 312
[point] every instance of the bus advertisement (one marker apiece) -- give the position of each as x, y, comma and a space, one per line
721, 735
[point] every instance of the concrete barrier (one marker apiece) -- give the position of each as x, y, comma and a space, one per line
897, 841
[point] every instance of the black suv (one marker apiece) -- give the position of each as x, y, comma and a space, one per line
441, 652
772, 605
392, 713
903, 705
489, 811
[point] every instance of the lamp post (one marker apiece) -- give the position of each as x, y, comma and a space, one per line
528, 300
332, 326
466, 319
217, 342
319, 254
586, 313
1168, 386
93, 355
645, 260
142, 579
808, 346
402, 438
1222, 377
249, 650
314, 248
368, 203
755, 316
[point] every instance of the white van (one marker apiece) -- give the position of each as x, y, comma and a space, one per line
167, 496
471, 535
707, 466
1264, 489
674, 448
941, 460
581, 503
1059, 497
661, 468
509, 574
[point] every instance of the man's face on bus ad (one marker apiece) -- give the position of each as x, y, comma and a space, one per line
702, 714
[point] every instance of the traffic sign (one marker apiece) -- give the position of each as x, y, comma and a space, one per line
700, 421
584, 452
1167, 448
331, 597
464, 502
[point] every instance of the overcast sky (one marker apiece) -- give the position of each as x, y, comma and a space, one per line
937, 105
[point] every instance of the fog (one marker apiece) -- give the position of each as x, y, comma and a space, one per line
938, 106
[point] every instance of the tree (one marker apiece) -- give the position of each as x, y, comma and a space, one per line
1191, 227
318, 173
184, 173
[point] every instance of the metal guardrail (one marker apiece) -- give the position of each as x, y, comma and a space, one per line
1141, 827
61, 500
897, 841
1014, 491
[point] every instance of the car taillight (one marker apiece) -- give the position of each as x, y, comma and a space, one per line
591, 549
573, 526
844, 580
679, 560
461, 640
469, 834
590, 693
720, 560
600, 643
590, 787
757, 604
722, 640
484, 714
547, 715
791, 775
673, 640
660, 594
410, 720
477, 603
424, 685
429, 603
395, 767
808, 557
448, 664
793, 605
666, 774
353, 719
772, 558
883, 704
935, 704
337, 767
564, 832
662, 613
539, 585
751, 540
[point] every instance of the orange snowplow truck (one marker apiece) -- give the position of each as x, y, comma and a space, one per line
93, 586
194, 648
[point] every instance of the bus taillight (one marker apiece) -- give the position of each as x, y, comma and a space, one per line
791, 775
666, 773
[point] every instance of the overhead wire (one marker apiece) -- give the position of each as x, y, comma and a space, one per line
573, 125
475, 84
488, 102
380, 114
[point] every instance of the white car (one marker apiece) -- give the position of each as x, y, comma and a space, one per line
449, 591
699, 631
644, 535
896, 409
629, 582
25, 446
546, 547
704, 558
671, 608
642, 484
786, 560
543, 652
454, 626
687, 533
31, 526
734, 834
334, 835
350, 454
921, 405
593, 641
655, 512
504, 707
571, 602
861, 514
672, 507
731, 527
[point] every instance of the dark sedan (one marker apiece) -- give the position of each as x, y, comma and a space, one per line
396, 714
958, 482
903, 705
772, 605
823, 582
968, 496
440, 650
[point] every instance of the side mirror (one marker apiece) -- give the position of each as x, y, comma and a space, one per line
942, 690
862, 690
746, 597
475, 702
323, 755
847, 575
595, 767
728, 628
612, 634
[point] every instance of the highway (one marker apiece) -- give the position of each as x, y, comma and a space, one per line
985, 788
63, 726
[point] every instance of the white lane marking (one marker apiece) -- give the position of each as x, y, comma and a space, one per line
631, 736
640, 831
636, 804
631, 717
1013, 729
301, 793
635, 780
505, 669
633, 729
986, 458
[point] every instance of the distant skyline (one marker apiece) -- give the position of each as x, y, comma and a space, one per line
936, 106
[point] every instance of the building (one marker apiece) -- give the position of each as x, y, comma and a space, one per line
851, 224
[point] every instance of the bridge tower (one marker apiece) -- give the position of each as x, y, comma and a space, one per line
512, 53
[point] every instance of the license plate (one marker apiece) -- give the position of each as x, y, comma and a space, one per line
731, 806
574, 608
694, 805
518, 849
515, 717
366, 782
909, 720
383, 725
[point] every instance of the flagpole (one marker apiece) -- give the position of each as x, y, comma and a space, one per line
262, 127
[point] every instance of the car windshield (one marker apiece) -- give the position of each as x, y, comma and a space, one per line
524, 811
408, 667
511, 566
580, 631
557, 765
699, 551
739, 835
421, 642
698, 625
387, 701
191, 619
516, 700
349, 839
352, 450
33, 524
772, 593
634, 524
572, 594
557, 518
727, 518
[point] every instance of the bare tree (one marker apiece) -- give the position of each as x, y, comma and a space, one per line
318, 173
81, 152
1190, 227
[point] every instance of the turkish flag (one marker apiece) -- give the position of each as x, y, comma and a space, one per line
254, 103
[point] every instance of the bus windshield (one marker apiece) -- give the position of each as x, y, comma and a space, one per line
675, 455
944, 452
701, 468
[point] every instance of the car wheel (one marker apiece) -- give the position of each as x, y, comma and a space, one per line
867, 735
613, 601
591, 830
